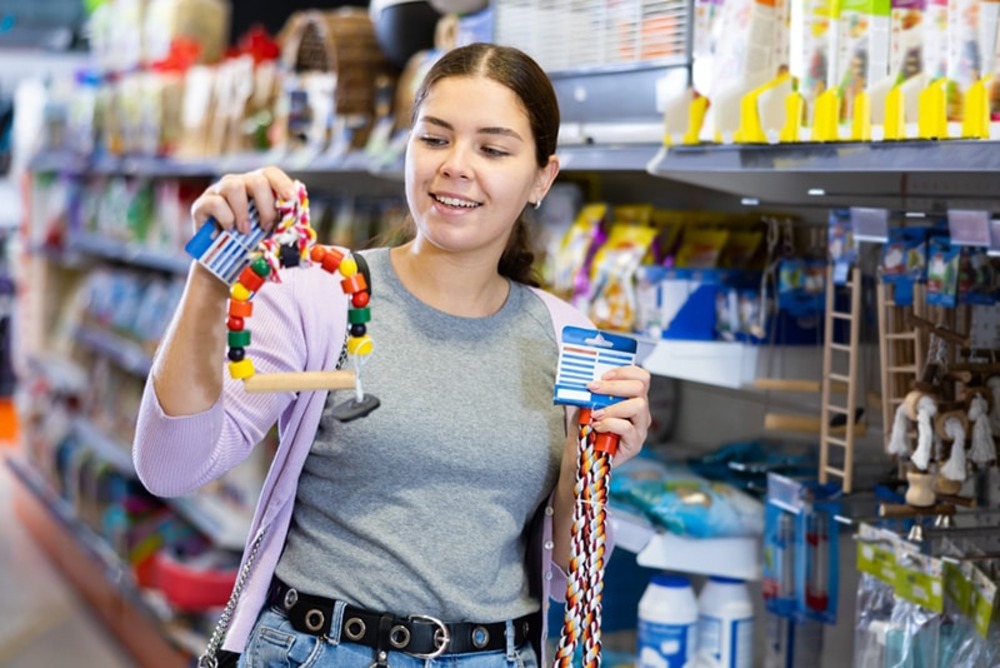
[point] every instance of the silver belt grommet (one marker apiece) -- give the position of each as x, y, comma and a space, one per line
314, 619
291, 598
399, 636
480, 637
355, 629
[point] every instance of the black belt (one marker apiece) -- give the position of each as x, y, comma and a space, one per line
420, 635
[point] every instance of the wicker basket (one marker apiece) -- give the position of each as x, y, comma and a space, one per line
341, 41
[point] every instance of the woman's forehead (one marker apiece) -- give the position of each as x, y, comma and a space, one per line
458, 97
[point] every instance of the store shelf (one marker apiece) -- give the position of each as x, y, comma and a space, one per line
98, 573
577, 152
736, 557
130, 253
726, 364
910, 175
607, 157
226, 525
62, 374
126, 353
221, 521
104, 447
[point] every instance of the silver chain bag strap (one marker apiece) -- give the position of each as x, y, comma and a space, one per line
209, 658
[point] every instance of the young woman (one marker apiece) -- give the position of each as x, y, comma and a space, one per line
439, 524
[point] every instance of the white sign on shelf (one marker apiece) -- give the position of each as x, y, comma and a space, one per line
969, 227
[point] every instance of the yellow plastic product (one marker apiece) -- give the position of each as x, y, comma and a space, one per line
976, 111
751, 130
932, 121
861, 122
826, 120
696, 118
895, 124
794, 107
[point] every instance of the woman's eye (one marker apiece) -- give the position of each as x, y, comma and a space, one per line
494, 152
432, 141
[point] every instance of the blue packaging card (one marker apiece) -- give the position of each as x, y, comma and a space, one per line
585, 355
225, 253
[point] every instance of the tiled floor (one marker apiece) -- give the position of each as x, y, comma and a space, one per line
43, 623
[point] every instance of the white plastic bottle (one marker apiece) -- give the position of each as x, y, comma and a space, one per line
668, 623
725, 624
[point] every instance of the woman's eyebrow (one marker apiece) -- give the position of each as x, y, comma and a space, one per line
489, 130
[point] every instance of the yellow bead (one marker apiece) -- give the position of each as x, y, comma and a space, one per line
240, 292
242, 369
360, 345
348, 267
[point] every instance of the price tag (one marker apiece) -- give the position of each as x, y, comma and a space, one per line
994, 238
969, 227
870, 224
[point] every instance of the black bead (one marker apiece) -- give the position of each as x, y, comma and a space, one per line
289, 255
237, 354
358, 329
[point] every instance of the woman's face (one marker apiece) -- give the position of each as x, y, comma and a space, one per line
470, 165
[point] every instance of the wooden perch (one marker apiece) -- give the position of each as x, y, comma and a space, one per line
904, 510
809, 424
302, 381
938, 330
975, 367
797, 385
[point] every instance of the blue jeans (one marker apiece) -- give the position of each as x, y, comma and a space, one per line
273, 643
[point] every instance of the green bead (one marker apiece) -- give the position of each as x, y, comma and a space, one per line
260, 267
357, 316
239, 339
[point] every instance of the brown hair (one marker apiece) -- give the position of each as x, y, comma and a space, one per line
525, 78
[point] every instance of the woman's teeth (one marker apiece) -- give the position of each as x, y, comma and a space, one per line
451, 201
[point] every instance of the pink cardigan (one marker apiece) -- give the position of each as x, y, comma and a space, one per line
177, 455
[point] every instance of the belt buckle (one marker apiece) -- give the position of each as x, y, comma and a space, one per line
442, 637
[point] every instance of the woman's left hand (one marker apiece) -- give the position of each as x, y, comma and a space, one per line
629, 418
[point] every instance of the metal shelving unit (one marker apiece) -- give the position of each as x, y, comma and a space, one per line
905, 175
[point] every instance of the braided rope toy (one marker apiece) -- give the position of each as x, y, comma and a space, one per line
585, 585
585, 355
249, 261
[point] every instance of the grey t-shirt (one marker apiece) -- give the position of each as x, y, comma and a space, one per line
421, 507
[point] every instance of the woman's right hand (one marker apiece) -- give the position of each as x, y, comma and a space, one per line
228, 199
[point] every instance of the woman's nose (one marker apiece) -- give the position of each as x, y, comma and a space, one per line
456, 162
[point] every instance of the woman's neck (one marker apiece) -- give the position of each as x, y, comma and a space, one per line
463, 286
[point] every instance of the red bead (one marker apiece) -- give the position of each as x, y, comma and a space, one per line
331, 261
251, 279
234, 324
240, 309
317, 253
360, 299
355, 283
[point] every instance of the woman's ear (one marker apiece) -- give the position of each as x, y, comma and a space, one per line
544, 180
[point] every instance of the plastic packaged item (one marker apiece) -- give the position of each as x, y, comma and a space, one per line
668, 623
793, 644
725, 624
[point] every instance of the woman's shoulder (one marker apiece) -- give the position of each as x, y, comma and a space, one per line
562, 312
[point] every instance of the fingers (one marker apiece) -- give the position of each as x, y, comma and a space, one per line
629, 418
228, 200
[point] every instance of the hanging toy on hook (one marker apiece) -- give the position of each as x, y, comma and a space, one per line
248, 261
585, 355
